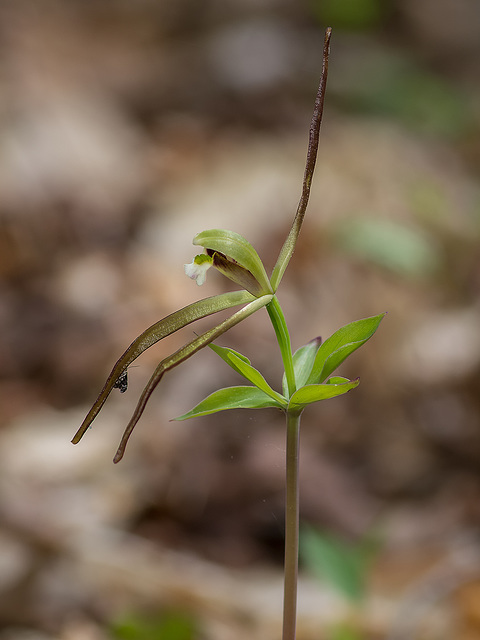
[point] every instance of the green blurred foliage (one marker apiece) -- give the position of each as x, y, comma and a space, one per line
350, 14
421, 100
344, 631
341, 565
172, 625
385, 83
428, 202
406, 251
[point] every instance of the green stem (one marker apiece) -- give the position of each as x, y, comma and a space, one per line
291, 527
291, 500
283, 337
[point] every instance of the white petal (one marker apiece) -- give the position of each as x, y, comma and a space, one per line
197, 272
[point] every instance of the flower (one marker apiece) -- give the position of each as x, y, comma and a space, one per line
235, 258
197, 269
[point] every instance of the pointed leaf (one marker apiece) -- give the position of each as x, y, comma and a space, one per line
224, 352
303, 360
231, 398
316, 392
337, 380
237, 249
279, 324
161, 329
340, 345
255, 377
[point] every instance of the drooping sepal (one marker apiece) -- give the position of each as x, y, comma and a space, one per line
161, 329
182, 354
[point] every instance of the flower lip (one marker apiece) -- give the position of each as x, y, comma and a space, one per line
197, 269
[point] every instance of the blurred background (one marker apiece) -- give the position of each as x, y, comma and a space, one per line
125, 129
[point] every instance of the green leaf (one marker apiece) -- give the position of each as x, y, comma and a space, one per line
332, 561
237, 250
340, 345
303, 360
255, 377
231, 398
316, 392
283, 338
224, 353
337, 380
241, 364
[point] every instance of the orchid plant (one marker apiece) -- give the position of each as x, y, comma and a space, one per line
308, 372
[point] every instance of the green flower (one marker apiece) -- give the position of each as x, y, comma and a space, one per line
236, 259
307, 372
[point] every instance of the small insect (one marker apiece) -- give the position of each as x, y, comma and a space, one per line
122, 382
